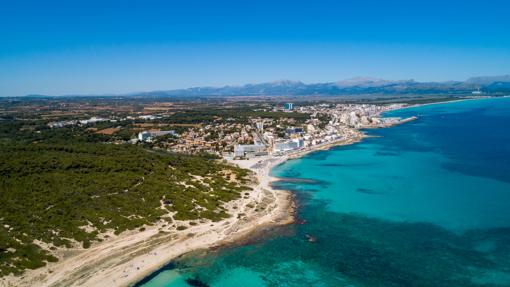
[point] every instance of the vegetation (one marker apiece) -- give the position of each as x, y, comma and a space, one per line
241, 114
61, 188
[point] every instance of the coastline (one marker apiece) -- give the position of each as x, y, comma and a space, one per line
450, 101
132, 256
286, 207
128, 258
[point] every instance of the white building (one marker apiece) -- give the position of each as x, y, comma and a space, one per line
144, 136
147, 135
92, 120
288, 145
249, 150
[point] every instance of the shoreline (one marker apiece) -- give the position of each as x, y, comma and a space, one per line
451, 101
286, 211
132, 256
127, 259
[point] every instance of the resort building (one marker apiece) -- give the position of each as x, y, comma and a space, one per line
249, 150
289, 145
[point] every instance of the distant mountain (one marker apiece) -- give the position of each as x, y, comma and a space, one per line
349, 87
489, 80
284, 87
353, 86
367, 82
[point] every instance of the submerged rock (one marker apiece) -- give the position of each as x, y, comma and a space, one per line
196, 282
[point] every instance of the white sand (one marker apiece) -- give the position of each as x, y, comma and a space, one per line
126, 259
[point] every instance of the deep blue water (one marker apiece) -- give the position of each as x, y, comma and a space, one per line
426, 203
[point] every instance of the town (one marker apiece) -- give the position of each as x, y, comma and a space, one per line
276, 130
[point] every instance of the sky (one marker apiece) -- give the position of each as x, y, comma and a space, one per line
114, 47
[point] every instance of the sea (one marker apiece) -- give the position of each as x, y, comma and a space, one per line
426, 203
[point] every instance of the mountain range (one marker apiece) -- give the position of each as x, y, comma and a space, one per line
353, 86
493, 85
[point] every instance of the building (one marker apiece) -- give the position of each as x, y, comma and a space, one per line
293, 131
149, 117
149, 135
300, 142
288, 106
162, 133
92, 120
144, 136
62, 124
310, 129
285, 146
477, 92
249, 150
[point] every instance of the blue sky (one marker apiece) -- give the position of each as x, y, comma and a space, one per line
96, 47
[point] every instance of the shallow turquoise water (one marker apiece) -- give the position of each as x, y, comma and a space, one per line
426, 203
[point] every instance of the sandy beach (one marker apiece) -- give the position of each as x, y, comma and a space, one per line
131, 256
126, 259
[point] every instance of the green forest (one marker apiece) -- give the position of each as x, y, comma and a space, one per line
52, 186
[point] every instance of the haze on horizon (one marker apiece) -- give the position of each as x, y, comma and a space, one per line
100, 47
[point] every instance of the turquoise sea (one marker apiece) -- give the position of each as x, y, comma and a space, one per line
425, 203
